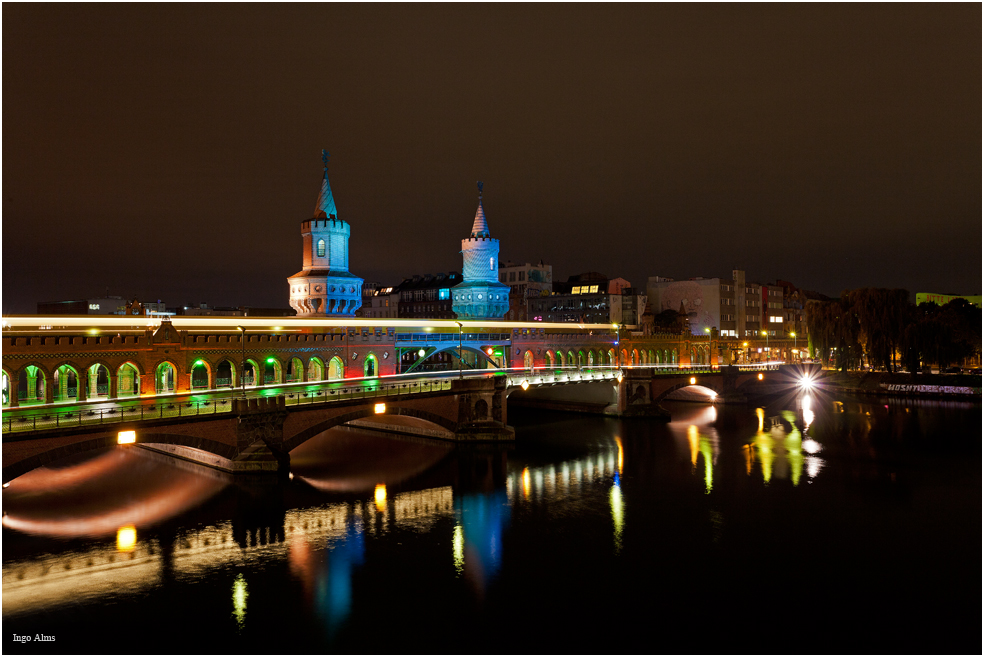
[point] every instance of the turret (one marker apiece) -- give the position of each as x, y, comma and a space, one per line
324, 286
480, 295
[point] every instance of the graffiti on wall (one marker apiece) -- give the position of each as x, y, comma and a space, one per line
691, 295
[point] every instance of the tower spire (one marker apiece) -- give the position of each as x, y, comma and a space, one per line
480, 228
325, 206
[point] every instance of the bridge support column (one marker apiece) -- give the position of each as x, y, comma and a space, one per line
148, 383
635, 395
482, 410
260, 435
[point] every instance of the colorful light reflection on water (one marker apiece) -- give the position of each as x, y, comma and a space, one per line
374, 533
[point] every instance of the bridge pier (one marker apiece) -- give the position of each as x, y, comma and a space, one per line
635, 396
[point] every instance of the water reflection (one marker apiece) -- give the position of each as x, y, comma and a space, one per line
239, 595
778, 445
482, 518
97, 494
126, 538
567, 478
696, 427
376, 535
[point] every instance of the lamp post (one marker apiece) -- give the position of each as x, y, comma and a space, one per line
767, 354
242, 363
745, 353
795, 350
618, 336
707, 330
459, 350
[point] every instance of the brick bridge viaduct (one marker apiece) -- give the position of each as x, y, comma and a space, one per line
259, 433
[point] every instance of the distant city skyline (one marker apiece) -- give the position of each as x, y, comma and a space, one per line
172, 152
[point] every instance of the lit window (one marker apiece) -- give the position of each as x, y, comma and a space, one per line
321, 248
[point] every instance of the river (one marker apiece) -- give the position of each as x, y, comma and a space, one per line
804, 526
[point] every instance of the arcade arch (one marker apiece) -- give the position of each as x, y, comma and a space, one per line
336, 368
315, 369
164, 377
127, 380
370, 367
225, 375
66, 383
201, 375
295, 371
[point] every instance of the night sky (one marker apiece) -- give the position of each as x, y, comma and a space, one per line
171, 151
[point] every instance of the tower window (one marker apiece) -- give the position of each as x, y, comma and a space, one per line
321, 248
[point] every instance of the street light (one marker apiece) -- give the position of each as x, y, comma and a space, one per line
745, 345
707, 330
767, 354
795, 350
459, 350
242, 363
618, 356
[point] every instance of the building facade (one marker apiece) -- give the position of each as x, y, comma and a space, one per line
427, 296
589, 298
734, 307
108, 305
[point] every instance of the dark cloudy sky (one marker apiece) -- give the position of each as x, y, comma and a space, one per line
171, 151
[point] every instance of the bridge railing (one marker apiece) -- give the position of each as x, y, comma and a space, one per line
56, 419
59, 418
365, 391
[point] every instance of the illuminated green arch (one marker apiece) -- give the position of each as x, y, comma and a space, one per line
128, 379
370, 366
165, 377
315, 369
62, 380
251, 364
197, 382
296, 368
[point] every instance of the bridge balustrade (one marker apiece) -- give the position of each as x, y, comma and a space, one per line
52, 419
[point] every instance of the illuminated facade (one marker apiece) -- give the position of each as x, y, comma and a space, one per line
943, 299
324, 287
481, 295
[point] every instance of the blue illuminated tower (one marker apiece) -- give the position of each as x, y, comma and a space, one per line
480, 295
324, 287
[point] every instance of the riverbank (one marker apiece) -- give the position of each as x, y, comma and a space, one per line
921, 386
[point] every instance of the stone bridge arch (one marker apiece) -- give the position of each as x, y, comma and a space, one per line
715, 388
307, 433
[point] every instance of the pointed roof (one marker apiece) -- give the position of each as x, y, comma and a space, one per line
326, 202
480, 228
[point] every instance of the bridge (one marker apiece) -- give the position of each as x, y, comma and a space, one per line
250, 421
256, 434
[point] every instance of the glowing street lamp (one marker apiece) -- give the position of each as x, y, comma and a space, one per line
459, 349
618, 354
795, 350
767, 354
242, 363
707, 330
